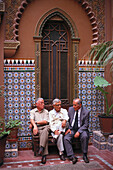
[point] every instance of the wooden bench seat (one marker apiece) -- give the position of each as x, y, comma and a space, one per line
76, 143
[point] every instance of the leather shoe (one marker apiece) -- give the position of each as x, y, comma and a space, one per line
43, 161
41, 151
62, 157
85, 158
74, 160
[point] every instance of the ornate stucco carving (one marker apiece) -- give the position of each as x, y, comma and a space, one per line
93, 21
17, 18
51, 14
83, 3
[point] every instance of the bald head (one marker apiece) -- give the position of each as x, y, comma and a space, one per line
77, 100
77, 104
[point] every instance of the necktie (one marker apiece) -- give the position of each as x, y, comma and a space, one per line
75, 127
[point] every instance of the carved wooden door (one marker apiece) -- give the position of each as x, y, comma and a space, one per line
55, 62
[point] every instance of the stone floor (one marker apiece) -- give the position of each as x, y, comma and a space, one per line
99, 160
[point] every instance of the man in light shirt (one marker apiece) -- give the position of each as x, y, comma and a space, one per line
58, 118
39, 118
78, 128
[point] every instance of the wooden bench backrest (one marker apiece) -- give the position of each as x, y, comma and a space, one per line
50, 107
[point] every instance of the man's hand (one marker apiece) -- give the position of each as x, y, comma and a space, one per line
68, 131
35, 130
77, 134
57, 132
63, 123
30, 126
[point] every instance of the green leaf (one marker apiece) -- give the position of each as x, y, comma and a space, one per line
102, 53
109, 58
110, 108
101, 82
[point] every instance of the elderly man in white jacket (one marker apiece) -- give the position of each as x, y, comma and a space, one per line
58, 118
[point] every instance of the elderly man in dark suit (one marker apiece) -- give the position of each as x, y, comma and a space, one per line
78, 128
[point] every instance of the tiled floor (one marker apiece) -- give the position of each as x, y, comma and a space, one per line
27, 159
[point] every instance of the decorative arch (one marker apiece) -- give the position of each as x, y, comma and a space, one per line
60, 14
56, 12
83, 3
74, 36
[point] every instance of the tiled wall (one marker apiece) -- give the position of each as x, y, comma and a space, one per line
11, 149
102, 142
19, 82
92, 98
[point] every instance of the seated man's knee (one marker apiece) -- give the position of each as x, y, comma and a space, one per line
84, 135
46, 130
66, 138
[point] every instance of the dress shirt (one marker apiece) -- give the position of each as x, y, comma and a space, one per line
79, 111
39, 116
55, 118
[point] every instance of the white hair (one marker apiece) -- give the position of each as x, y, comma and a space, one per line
56, 101
36, 101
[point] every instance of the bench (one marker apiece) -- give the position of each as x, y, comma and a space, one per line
35, 138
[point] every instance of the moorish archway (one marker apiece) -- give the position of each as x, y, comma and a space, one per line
56, 57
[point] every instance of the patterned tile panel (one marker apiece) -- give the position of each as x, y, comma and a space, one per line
19, 82
102, 142
110, 139
92, 98
110, 147
110, 143
11, 149
97, 135
25, 142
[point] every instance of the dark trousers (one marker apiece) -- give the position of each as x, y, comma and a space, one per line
84, 137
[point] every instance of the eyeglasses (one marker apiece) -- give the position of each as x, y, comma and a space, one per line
41, 102
57, 104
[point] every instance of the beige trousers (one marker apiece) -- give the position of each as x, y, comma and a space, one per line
43, 136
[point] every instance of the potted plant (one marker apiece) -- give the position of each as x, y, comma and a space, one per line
106, 119
103, 55
13, 126
3, 134
3, 137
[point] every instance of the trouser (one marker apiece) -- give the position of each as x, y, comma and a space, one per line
43, 136
60, 144
84, 137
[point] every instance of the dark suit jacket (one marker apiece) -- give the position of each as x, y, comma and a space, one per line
84, 118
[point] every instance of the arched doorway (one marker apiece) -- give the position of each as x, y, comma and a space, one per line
56, 49
55, 61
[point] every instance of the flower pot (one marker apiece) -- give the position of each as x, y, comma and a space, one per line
2, 148
106, 124
13, 133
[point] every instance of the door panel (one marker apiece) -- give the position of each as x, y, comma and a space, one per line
55, 61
